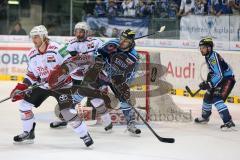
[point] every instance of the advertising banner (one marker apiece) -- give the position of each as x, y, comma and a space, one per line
221, 28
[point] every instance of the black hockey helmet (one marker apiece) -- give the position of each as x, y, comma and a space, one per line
128, 34
206, 42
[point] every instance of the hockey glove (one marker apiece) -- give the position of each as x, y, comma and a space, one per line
92, 74
16, 95
124, 91
205, 85
118, 79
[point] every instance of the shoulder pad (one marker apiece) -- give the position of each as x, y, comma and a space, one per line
134, 55
74, 40
32, 53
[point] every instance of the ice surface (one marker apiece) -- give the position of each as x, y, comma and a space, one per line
193, 142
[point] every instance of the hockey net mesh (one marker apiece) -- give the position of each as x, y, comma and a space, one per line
151, 92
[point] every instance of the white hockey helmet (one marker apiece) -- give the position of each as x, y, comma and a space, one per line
39, 30
82, 25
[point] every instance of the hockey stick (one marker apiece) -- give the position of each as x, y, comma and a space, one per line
26, 90
162, 139
190, 91
160, 30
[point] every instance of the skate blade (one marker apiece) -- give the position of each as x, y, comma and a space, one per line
109, 131
232, 129
58, 127
132, 134
201, 123
30, 141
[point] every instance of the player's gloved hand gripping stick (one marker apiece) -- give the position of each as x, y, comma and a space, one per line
23, 91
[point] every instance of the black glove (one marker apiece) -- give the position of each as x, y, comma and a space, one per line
205, 85
124, 90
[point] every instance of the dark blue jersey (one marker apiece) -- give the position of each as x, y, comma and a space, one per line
111, 49
218, 68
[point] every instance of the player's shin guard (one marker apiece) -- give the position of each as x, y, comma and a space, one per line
129, 115
107, 122
206, 113
224, 114
26, 115
81, 129
77, 124
102, 110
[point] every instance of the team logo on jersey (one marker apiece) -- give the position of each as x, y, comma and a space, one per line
51, 58
120, 63
90, 45
63, 97
63, 52
129, 61
213, 61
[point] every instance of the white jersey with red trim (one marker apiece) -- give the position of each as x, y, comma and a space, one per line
40, 64
88, 45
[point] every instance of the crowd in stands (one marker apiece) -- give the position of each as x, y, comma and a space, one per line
160, 8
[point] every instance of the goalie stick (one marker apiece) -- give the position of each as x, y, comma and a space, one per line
190, 91
26, 90
162, 139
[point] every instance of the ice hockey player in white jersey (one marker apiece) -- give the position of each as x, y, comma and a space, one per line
83, 47
42, 59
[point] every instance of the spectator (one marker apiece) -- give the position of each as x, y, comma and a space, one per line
112, 9
161, 8
144, 8
128, 8
220, 7
88, 7
235, 5
186, 8
100, 9
53, 30
173, 9
18, 30
115, 33
199, 7
100, 32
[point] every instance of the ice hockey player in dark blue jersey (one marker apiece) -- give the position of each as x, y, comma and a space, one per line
219, 84
118, 60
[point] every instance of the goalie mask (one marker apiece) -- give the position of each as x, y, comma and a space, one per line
81, 30
127, 40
